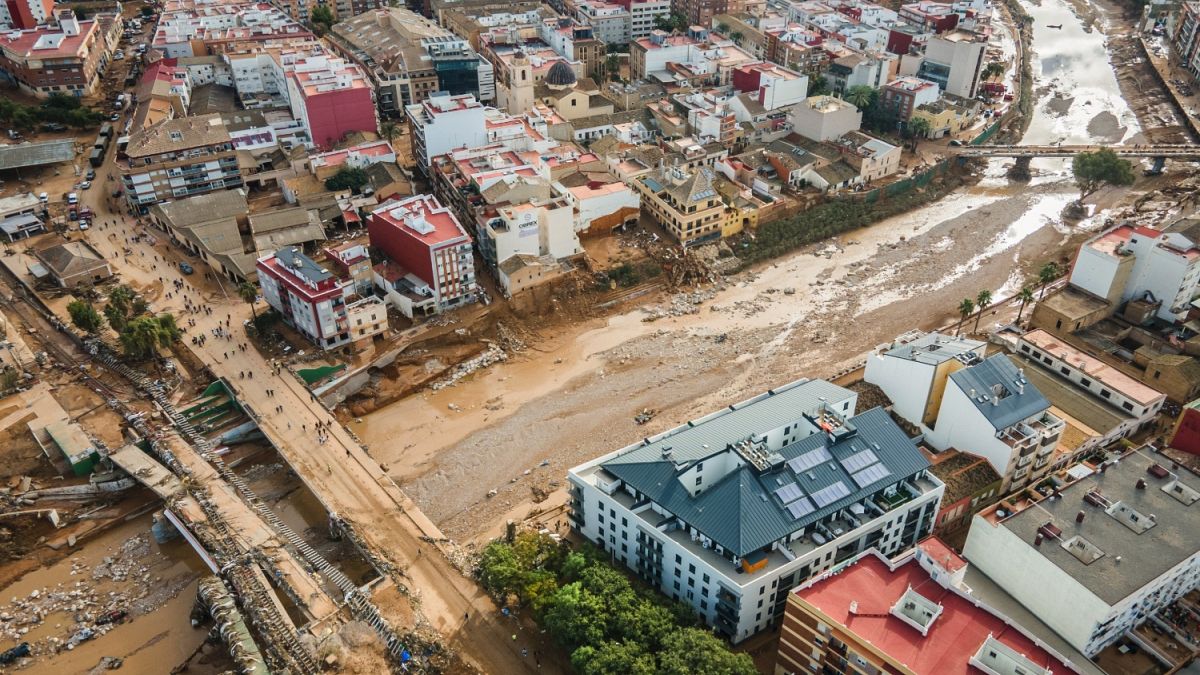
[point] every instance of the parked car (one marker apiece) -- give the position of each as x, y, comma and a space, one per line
955, 142
186, 268
114, 117
85, 185
54, 126
72, 198
44, 197
90, 175
84, 224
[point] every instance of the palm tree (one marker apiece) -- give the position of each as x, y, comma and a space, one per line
993, 69
983, 300
818, 86
860, 96
1048, 273
246, 291
1025, 295
145, 334
918, 127
389, 130
965, 309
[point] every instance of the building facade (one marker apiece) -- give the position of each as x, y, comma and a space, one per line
1111, 550
729, 512
430, 267
911, 614
178, 158
914, 368
66, 59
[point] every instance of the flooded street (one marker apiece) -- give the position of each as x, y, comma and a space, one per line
516, 427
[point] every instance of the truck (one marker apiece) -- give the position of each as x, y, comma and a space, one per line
106, 130
96, 158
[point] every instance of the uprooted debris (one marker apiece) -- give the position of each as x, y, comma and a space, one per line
493, 354
645, 416
681, 304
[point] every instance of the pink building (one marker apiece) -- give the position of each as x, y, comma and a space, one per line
331, 98
430, 268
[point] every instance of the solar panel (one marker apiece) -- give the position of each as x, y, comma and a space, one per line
789, 492
859, 460
871, 474
800, 508
828, 495
809, 459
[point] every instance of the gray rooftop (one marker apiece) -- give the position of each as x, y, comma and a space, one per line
1078, 403
749, 508
36, 154
1144, 555
936, 348
301, 265
204, 208
1002, 393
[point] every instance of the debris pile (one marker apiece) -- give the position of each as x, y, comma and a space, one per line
681, 304
493, 354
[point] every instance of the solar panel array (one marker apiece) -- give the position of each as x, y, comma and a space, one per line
871, 474
859, 461
789, 492
809, 459
828, 495
800, 508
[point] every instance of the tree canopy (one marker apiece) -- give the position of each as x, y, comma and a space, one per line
610, 624
145, 334
347, 178
321, 17
1093, 170
84, 316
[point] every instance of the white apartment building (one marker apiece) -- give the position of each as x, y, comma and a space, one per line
989, 409
642, 14
1137, 262
953, 60
824, 118
729, 512
443, 123
1109, 551
1104, 382
610, 22
913, 370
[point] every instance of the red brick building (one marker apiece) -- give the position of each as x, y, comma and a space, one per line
430, 267
46, 60
26, 14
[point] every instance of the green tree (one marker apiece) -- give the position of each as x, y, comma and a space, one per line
61, 101
84, 316
347, 178
1025, 295
120, 307
736, 36
918, 127
982, 301
389, 130
861, 96
692, 650
818, 86
1093, 170
248, 293
576, 617
671, 23
723, 29
1048, 273
321, 18
609, 657
993, 69
612, 64
499, 570
146, 334
965, 309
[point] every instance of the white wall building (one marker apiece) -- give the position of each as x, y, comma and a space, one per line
824, 118
442, 123
914, 368
1105, 383
730, 511
1114, 548
989, 409
955, 61
1128, 262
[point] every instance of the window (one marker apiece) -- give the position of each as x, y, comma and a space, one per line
677, 586
705, 577
678, 560
1105, 393
1064, 370
1128, 406
1084, 382
624, 522
691, 568
699, 479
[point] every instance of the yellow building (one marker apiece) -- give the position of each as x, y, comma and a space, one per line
685, 203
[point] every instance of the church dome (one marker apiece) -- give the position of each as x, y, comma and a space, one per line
560, 75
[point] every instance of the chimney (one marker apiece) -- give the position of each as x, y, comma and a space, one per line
1080, 516
1037, 539
853, 607
1141, 484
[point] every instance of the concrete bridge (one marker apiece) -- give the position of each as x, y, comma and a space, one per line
1153, 151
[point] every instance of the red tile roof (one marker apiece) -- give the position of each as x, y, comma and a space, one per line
953, 638
944, 555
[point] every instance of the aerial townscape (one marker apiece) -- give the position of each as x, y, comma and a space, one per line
605, 337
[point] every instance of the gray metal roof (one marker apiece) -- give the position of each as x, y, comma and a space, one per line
36, 154
1144, 556
301, 265
935, 348
1002, 393
743, 511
